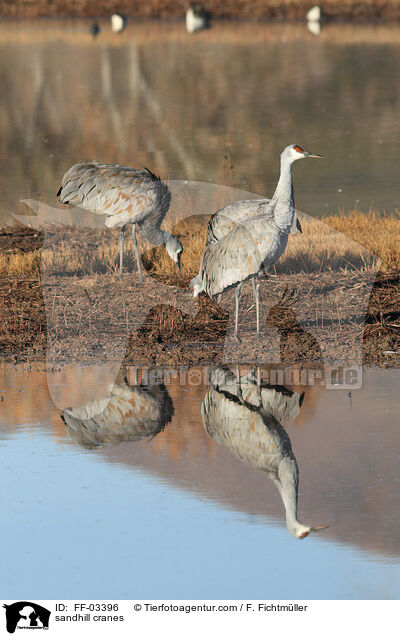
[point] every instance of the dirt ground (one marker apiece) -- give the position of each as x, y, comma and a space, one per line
351, 316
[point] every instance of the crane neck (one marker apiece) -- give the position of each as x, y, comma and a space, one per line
286, 480
283, 199
154, 235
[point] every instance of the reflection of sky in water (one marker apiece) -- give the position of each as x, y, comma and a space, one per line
76, 527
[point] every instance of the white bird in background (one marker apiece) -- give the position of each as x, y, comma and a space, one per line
126, 196
314, 20
246, 419
197, 18
314, 14
130, 414
253, 244
118, 22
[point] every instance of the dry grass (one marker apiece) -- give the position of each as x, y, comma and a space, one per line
378, 233
85, 261
319, 248
336, 243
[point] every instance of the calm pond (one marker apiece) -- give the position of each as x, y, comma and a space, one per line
217, 107
188, 510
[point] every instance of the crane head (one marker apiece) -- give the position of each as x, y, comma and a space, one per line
174, 249
299, 531
294, 152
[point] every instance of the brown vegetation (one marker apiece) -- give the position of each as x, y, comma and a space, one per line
167, 9
80, 271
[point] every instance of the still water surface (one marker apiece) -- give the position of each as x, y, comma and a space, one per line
188, 511
216, 107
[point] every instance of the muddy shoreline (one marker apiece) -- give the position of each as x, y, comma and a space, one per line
352, 316
251, 10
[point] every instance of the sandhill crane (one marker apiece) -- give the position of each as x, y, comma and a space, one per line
246, 420
126, 196
130, 414
197, 18
252, 246
118, 22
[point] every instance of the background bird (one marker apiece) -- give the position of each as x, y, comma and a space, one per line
197, 18
94, 29
126, 196
246, 420
118, 22
254, 244
131, 413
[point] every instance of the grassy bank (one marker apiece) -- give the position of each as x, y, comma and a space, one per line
318, 248
78, 275
169, 9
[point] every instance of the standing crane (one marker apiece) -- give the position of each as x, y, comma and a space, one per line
246, 419
253, 242
130, 414
126, 196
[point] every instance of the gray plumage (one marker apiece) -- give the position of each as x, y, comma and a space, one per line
131, 413
253, 245
245, 418
126, 196
233, 214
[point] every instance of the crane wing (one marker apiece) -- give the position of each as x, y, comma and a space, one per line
233, 259
233, 214
124, 194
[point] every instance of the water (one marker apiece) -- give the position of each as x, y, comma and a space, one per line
179, 515
218, 107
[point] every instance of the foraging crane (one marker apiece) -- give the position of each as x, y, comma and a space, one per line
118, 22
130, 414
254, 244
126, 196
248, 424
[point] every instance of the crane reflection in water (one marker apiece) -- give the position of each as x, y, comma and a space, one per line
246, 417
130, 414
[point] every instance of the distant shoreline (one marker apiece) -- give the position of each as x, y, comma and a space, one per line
251, 10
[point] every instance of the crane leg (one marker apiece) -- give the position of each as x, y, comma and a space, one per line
237, 296
259, 386
239, 384
256, 293
134, 241
121, 249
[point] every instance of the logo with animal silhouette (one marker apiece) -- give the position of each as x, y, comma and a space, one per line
26, 615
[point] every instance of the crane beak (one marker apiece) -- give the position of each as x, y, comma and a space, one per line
316, 528
310, 155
